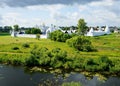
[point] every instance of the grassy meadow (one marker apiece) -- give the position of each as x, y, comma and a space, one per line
107, 45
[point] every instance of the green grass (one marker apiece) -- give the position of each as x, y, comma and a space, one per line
4, 34
9, 42
108, 45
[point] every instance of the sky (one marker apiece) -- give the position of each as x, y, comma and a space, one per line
27, 13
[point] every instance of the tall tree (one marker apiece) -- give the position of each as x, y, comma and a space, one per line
7, 28
16, 27
82, 27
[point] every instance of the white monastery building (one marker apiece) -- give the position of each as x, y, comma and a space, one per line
46, 30
99, 32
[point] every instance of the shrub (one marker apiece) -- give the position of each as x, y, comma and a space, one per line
68, 64
15, 48
80, 43
89, 64
59, 36
56, 35
73, 35
65, 37
58, 57
43, 57
25, 45
32, 61
16, 62
39, 56
97, 64
115, 67
78, 62
104, 62
38, 36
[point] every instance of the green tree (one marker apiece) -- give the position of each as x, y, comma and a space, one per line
28, 31
33, 31
82, 28
80, 43
7, 28
59, 36
16, 27
36, 31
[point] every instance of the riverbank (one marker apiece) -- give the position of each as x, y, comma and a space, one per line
15, 51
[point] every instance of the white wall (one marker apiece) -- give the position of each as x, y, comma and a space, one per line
26, 35
31, 36
98, 33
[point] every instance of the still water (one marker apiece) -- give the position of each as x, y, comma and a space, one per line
17, 76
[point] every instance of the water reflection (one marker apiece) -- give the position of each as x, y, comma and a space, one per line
16, 76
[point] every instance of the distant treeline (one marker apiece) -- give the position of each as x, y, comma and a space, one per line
68, 28
5, 29
8, 28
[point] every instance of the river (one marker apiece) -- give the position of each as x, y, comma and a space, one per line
17, 76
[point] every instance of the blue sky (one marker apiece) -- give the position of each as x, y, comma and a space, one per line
59, 12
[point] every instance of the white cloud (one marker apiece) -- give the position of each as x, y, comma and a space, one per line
51, 8
100, 12
102, 3
9, 18
14, 18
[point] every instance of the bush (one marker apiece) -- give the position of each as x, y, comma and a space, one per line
115, 67
90, 65
31, 61
39, 56
102, 63
78, 62
43, 57
38, 36
16, 62
15, 48
59, 36
25, 45
80, 43
65, 37
58, 58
